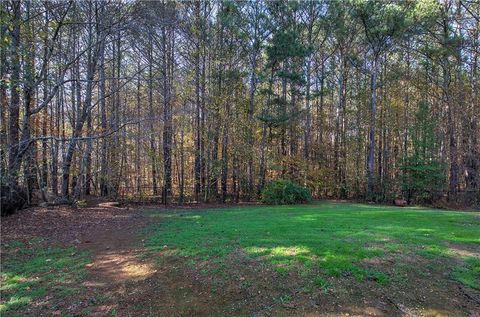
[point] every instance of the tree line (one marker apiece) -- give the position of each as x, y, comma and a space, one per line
211, 100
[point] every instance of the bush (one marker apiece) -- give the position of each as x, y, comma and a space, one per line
12, 199
285, 192
422, 179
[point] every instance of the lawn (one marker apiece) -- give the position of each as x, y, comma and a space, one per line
322, 258
337, 238
31, 271
421, 261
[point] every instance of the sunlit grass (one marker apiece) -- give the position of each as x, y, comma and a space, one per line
31, 272
335, 238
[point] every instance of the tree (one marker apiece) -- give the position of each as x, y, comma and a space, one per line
212, 100
424, 175
382, 22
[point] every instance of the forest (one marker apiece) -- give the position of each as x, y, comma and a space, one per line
181, 101
240, 158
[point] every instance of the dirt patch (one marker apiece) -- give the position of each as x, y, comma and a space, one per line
108, 233
244, 286
116, 261
462, 250
64, 225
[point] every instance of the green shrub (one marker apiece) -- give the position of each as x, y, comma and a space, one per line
422, 179
285, 192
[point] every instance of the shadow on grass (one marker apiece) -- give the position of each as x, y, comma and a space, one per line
32, 274
333, 237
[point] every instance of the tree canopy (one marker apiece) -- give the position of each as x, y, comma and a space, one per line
212, 100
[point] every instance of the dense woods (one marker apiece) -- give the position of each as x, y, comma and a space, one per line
211, 100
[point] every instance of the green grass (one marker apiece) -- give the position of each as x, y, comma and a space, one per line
321, 283
469, 274
334, 238
31, 272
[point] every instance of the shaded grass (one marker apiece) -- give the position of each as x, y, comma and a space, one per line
469, 273
34, 273
333, 237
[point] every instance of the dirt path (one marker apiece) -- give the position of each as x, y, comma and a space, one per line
116, 261
111, 236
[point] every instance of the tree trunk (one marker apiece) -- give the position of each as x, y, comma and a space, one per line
167, 128
251, 111
153, 151
371, 135
3, 98
225, 151
198, 140
308, 117
44, 169
263, 145
103, 123
14, 109
83, 110
448, 105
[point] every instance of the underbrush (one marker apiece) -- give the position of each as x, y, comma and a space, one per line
285, 192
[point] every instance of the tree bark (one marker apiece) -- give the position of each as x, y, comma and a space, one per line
14, 109
371, 135
167, 128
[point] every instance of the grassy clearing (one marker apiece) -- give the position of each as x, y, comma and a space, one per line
36, 275
334, 239
272, 254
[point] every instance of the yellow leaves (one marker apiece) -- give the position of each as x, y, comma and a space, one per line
426, 7
52, 24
